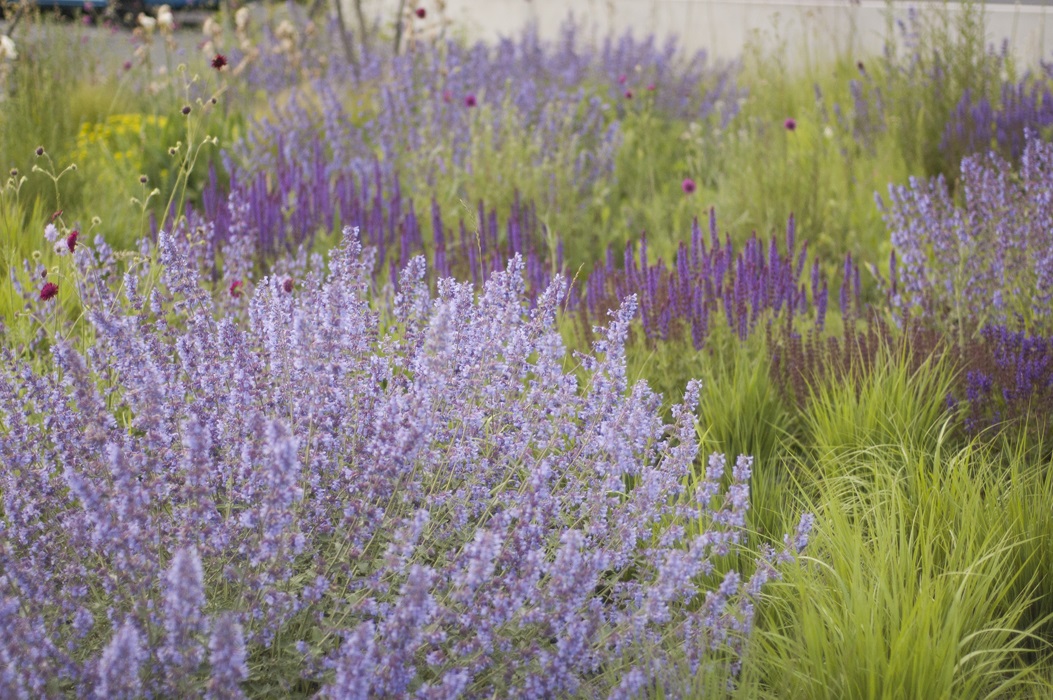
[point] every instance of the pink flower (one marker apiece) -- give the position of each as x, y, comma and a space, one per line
71, 240
628, 94
790, 124
622, 79
235, 288
421, 13
688, 186
48, 291
288, 285
469, 101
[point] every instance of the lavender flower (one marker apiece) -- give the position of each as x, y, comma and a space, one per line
120, 665
441, 498
226, 648
987, 261
183, 609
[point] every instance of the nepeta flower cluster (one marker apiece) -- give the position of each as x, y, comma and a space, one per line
428, 110
986, 260
310, 499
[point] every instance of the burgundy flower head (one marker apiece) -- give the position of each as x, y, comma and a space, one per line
235, 288
688, 186
622, 79
219, 61
48, 291
71, 240
469, 101
790, 124
421, 13
628, 94
288, 285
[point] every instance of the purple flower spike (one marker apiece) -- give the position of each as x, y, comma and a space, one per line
226, 649
120, 665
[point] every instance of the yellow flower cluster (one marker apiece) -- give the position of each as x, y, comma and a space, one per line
122, 136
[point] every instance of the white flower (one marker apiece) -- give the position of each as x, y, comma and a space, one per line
241, 18
61, 248
165, 20
285, 30
51, 233
211, 27
7, 48
828, 132
147, 22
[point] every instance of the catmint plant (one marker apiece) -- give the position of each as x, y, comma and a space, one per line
306, 496
986, 259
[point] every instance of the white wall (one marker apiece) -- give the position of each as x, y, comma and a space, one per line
722, 27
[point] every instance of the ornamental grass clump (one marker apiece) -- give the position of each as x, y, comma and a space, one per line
310, 501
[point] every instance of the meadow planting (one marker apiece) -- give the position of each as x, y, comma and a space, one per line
373, 361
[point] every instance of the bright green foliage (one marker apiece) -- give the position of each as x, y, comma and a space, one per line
914, 588
889, 406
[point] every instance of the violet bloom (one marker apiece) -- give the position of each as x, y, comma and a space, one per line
184, 600
469, 101
790, 124
688, 186
120, 664
226, 649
